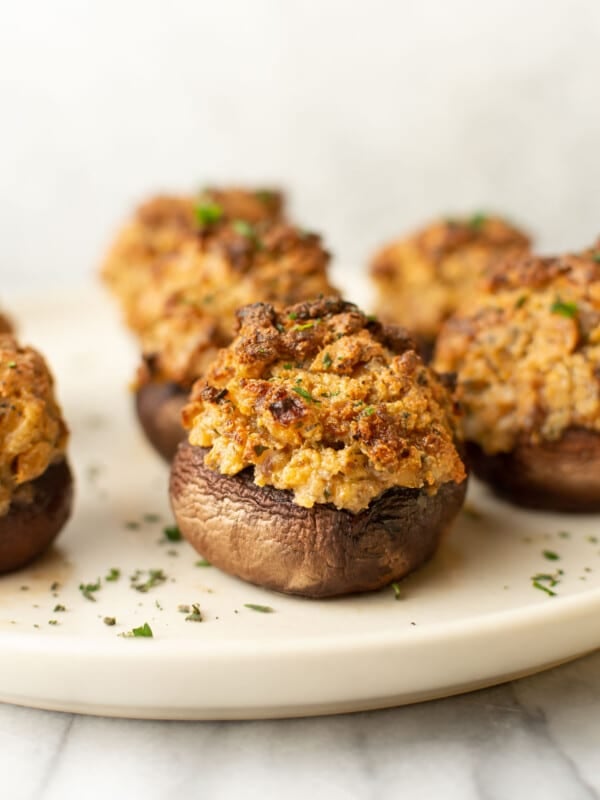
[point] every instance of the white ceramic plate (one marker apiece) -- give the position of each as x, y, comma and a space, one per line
471, 618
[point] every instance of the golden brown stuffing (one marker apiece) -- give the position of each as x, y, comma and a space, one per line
421, 280
527, 351
231, 266
164, 225
5, 324
327, 403
32, 432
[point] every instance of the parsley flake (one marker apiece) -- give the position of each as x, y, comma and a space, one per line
59, 607
172, 533
550, 555
113, 574
87, 590
327, 360
109, 621
477, 221
563, 308
203, 562
303, 393
261, 609
196, 614
155, 578
144, 631
397, 591
208, 213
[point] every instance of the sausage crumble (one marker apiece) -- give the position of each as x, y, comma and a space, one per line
326, 402
422, 279
527, 351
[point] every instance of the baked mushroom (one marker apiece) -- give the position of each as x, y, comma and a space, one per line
36, 486
527, 360
322, 456
423, 279
235, 265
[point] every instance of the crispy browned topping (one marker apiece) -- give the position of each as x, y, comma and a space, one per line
226, 269
424, 278
165, 225
527, 351
32, 432
5, 324
327, 403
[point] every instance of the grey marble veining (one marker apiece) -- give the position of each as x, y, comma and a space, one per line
538, 737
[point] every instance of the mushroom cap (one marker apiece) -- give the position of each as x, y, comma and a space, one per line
158, 407
261, 535
28, 529
562, 475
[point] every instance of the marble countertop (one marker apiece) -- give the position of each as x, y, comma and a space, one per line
537, 737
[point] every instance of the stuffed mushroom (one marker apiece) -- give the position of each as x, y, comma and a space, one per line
35, 479
234, 265
526, 354
322, 456
424, 278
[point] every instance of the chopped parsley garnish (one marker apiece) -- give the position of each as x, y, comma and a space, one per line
172, 533
132, 525
12, 364
195, 615
592, 539
293, 315
87, 590
151, 517
113, 574
259, 449
545, 583
564, 534
371, 318
144, 631
244, 228
477, 221
155, 578
327, 360
109, 621
306, 395
208, 213
288, 366
550, 555
521, 301
397, 591
368, 411
256, 607
596, 257
303, 326
52, 622
265, 196
183, 608
59, 607
203, 562
565, 309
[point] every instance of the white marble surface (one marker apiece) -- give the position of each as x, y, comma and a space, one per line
535, 738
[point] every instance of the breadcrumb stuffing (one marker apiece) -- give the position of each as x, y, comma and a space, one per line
150, 253
33, 434
325, 402
422, 279
278, 263
527, 352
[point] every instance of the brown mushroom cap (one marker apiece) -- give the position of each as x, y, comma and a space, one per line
28, 529
260, 535
562, 475
158, 407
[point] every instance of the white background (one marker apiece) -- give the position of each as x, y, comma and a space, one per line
375, 115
